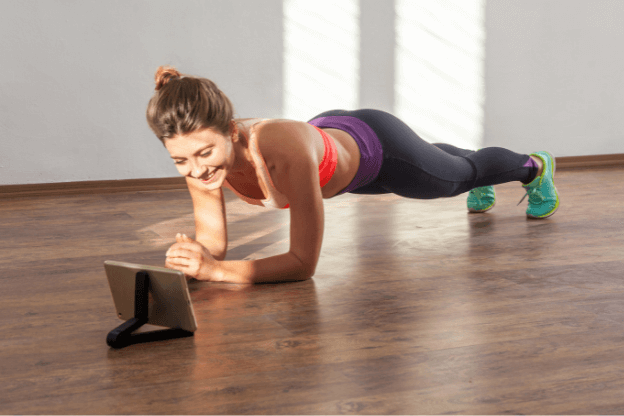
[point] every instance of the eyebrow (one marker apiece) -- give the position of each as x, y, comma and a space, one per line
197, 152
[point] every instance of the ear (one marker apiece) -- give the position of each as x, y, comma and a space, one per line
236, 135
234, 130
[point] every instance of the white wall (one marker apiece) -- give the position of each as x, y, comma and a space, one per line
555, 76
76, 76
440, 52
321, 59
377, 54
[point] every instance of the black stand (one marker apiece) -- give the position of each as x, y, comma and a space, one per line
122, 336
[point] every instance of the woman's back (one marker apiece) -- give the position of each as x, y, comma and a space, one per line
269, 143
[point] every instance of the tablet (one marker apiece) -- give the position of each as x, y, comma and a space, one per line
169, 298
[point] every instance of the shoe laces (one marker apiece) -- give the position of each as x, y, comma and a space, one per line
535, 196
477, 192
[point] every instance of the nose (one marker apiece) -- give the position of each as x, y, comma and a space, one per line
198, 171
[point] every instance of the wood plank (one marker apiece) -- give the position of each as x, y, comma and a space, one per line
416, 307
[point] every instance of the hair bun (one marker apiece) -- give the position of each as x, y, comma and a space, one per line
164, 74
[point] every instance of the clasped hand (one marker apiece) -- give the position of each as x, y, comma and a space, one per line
191, 258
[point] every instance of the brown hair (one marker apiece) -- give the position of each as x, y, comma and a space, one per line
183, 104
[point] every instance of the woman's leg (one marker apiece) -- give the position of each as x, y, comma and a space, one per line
456, 151
414, 168
452, 150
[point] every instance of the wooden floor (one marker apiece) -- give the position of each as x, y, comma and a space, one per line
417, 307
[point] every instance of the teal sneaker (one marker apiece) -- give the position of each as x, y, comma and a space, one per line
481, 199
543, 196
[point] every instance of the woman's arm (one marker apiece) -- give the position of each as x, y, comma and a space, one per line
194, 259
210, 218
283, 268
296, 175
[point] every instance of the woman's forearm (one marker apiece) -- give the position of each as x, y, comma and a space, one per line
282, 268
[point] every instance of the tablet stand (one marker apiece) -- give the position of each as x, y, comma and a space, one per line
122, 336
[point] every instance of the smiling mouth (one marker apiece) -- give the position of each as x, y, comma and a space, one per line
209, 177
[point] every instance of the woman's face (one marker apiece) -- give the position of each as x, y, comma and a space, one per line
206, 155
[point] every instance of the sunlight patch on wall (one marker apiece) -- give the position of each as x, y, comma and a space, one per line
439, 79
321, 57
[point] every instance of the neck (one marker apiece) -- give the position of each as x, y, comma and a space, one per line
243, 165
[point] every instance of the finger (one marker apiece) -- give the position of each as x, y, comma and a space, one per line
188, 271
180, 244
181, 248
178, 264
193, 246
185, 242
181, 253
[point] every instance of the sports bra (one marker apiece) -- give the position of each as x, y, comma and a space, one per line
275, 198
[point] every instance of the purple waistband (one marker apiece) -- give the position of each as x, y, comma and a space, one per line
370, 148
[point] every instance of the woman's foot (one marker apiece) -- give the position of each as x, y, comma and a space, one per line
543, 195
481, 199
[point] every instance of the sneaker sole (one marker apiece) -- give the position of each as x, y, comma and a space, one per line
476, 211
556, 192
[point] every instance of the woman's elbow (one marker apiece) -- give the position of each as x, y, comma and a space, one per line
219, 256
310, 272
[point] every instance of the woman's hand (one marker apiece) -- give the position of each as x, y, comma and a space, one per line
191, 258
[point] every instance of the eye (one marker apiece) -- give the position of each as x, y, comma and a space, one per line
207, 153
179, 162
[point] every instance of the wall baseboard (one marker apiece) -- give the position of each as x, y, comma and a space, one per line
92, 187
592, 161
167, 184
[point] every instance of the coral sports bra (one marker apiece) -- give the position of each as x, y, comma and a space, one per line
275, 198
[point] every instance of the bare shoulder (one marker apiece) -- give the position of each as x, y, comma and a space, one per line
286, 142
289, 146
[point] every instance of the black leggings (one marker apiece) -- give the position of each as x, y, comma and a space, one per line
414, 168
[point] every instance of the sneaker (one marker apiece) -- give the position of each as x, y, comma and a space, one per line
481, 199
543, 196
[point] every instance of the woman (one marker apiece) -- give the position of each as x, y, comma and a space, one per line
295, 165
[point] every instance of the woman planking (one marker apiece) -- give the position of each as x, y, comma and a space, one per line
292, 164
